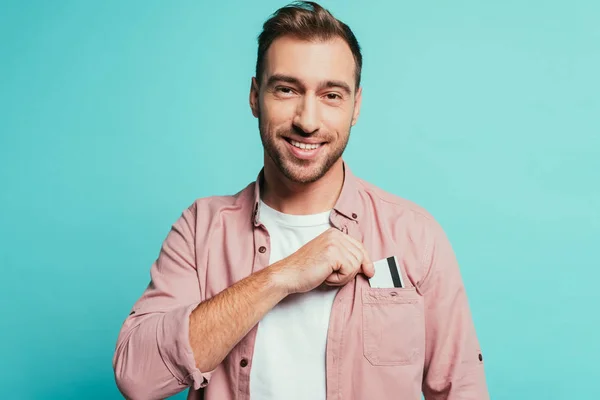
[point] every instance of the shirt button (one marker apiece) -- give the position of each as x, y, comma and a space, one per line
243, 363
262, 249
480, 357
354, 215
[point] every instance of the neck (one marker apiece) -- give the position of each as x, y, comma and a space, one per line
289, 197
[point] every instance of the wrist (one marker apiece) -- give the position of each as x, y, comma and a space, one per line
277, 280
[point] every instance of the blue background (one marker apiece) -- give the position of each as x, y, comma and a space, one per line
116, 115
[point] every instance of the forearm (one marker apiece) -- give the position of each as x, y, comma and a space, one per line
218, 324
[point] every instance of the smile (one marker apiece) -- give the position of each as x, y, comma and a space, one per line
304, 151
304, 146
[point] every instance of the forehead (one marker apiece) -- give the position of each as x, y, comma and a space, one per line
311, 61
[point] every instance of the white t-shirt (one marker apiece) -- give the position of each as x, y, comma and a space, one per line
289, 354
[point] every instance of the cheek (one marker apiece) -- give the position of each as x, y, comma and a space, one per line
277, 113
337, 119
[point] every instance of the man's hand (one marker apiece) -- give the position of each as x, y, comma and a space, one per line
333, 258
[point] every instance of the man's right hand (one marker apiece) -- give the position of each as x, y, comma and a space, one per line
333, 258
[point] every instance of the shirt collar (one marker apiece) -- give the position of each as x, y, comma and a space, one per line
345, 205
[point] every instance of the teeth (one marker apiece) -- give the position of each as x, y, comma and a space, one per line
304, 146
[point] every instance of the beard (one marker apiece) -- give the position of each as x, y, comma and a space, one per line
294, 169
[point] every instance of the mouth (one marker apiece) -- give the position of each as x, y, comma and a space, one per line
304, 151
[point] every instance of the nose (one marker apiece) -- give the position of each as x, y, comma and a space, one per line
307, 118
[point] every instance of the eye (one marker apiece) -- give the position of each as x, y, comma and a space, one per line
333, 96
284, 90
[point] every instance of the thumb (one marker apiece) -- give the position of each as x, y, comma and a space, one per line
368, 269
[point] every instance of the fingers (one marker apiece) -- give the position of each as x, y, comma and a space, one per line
351, 258
359, 251
350, 266
338, 278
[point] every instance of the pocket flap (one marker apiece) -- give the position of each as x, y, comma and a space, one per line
390, 295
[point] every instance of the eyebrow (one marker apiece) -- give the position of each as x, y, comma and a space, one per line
273, 79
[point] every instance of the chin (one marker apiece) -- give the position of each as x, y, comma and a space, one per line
304, 173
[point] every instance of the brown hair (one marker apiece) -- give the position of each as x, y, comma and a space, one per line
305, 20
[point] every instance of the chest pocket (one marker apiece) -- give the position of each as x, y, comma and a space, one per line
393, 326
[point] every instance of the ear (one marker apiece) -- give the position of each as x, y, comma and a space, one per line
254, 103
357, 103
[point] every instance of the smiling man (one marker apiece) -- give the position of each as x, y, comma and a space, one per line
310, 283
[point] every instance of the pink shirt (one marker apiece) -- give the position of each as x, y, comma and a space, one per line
382, 343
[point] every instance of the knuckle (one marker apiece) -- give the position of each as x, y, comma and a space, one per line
330, 248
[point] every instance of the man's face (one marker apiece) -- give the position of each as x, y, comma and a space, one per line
306, 105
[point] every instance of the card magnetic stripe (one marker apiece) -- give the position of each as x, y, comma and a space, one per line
394, 272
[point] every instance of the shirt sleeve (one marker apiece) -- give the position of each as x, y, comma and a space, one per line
453, 358
153, 358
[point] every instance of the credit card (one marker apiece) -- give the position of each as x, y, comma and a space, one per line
387, 274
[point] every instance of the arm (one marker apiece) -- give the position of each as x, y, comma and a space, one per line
218, 324
453, 362
173, 339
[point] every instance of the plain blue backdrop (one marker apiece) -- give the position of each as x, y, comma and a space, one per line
116, 115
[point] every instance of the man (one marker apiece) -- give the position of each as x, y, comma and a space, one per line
270, 294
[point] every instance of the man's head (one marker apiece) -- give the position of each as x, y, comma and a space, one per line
306, 89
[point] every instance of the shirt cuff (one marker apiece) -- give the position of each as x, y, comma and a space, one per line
175, 349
